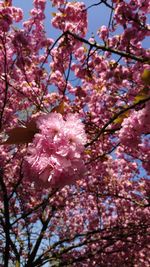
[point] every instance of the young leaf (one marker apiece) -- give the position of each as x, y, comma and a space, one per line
121, 117
59, 108
143, 94
21, 135
146, 76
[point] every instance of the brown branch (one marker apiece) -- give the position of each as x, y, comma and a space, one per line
101, 157
6, 84
116, 196
112, 236
14, 248
51, 48
106, 48
37, 207
7, 219
37, 244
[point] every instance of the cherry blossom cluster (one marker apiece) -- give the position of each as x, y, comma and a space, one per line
55, 154
72, 17
134, 135
8, 15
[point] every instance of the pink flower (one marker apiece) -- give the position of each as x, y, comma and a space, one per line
72, 17
54, 157
103, 32
40, 4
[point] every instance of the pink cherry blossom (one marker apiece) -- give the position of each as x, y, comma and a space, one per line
55, 154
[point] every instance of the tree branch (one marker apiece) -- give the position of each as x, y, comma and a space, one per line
37, 244
106, 48
7, 219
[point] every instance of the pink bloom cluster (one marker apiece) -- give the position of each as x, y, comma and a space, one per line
134, 126
103, 32
8, 15
40, 4
55, 154
134, 135
58, 3
73, 17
